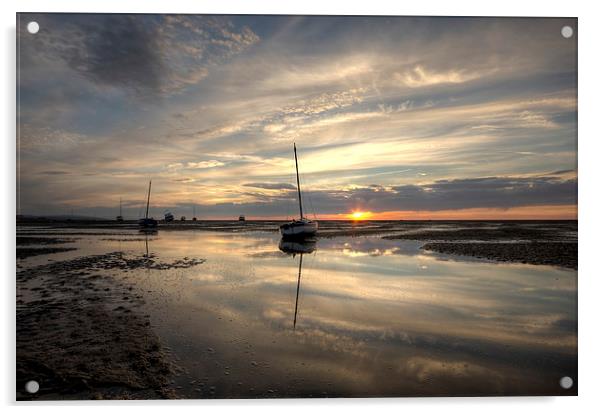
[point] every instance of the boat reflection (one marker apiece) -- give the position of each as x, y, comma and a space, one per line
146, 245
147, 232
293, 248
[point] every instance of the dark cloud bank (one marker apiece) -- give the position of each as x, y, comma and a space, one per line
485, 192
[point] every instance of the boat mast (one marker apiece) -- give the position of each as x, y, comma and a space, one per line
120, 206
298, 285
298, 185
148, 199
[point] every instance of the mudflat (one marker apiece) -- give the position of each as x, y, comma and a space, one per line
205, 309
83, 335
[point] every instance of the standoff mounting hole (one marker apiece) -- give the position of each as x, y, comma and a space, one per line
567, 32
32, 387
566, 382
33, 27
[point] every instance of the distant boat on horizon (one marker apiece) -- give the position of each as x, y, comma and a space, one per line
168, 216
303, 227
241, 218
148, 222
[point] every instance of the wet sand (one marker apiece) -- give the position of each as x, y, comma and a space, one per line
540, 243
551, 254
25, 252
83, 335
32, 240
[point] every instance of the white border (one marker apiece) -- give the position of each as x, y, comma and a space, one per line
349, 7
590, 286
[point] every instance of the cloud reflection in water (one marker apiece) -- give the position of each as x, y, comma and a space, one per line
375, 318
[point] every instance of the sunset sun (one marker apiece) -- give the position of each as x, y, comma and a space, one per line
360, 215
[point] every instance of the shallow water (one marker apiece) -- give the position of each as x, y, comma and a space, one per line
373, 317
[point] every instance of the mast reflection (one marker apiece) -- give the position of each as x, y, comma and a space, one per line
293, 248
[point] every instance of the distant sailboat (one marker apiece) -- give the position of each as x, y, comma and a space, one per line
148, 222
120, 216
193, 212
303, 227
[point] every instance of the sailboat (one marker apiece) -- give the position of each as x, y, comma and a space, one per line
120, 216
303, 227
148, 222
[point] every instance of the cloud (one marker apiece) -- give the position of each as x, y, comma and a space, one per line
204, 164
54, 172
271, 186
193, 165
34, 138
441, 195
175, 166
146, 55
123, 52
493, 192
207, 104
326, 102
562, 172
418, 76
485, 192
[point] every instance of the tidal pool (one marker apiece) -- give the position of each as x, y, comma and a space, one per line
347, 317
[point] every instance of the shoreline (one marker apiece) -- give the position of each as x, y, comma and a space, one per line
543, 242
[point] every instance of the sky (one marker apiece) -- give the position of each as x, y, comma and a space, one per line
396, 117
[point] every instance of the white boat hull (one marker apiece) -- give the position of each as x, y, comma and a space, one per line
299, 229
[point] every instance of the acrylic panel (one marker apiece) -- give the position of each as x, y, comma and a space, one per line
272, 206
